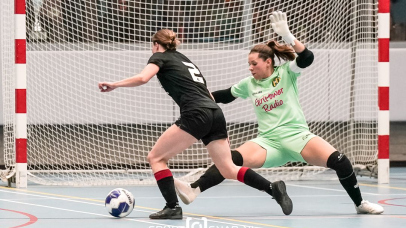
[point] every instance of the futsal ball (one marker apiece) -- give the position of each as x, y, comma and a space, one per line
119, 202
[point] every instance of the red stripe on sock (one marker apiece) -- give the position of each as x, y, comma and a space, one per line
241, 174
162, 174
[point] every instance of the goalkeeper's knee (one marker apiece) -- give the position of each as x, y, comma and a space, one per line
237, 158
341, 164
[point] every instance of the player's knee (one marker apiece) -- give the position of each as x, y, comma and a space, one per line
152, 158
227, 173
237, 158
341, 164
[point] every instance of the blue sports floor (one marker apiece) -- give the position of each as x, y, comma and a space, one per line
317, 204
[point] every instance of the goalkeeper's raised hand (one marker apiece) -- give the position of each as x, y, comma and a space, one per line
280, 26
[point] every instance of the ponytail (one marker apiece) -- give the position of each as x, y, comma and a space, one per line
284, 51
272, 49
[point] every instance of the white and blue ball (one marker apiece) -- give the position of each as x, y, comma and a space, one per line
119, 202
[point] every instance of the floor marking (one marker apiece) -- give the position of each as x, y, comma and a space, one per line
309, 217
83, 212
390, 204
101, 203
330, 189
382, 186
32, 218
401, 217
24, 191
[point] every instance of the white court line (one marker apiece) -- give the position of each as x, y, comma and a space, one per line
99, 204
203, 197
331, 189
50, 197
64, 199
318, 217
238, 197
136, 220
82, 212
238, 225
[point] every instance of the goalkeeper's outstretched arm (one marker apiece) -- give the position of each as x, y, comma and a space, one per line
280, 26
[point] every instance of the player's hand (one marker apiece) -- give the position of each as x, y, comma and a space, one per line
106, 86
280, 26
279, 23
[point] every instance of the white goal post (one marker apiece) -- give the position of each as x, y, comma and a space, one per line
58, 129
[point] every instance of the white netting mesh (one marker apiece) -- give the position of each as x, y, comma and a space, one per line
77, 135
8, 79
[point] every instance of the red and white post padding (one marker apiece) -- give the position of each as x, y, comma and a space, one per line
20, 95
383, 90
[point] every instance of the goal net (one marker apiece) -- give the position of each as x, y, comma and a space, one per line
79, 136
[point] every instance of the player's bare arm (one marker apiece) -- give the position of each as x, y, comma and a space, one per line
142, 78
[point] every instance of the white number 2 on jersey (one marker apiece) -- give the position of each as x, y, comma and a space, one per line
194, 72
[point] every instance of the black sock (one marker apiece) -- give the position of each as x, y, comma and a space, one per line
253, 179
342, 165
212, 176
166, 185
350, 185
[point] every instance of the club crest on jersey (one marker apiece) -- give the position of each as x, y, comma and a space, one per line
276, 81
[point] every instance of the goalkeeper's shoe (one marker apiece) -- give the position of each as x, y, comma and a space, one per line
185, 192
369, 208
168, 213
280, 195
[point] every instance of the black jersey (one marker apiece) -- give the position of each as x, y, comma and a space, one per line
182, 80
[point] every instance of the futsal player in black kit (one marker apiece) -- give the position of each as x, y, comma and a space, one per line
200, 119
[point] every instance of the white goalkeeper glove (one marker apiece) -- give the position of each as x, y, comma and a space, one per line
279, 25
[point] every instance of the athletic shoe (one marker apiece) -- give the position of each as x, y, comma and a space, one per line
280, 195
369, 208
185, 192
168, 213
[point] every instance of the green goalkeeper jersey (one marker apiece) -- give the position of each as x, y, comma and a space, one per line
276, 102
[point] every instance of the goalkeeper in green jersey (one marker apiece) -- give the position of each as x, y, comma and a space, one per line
200, 118
283, 134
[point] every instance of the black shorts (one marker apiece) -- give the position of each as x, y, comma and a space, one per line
204, 123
